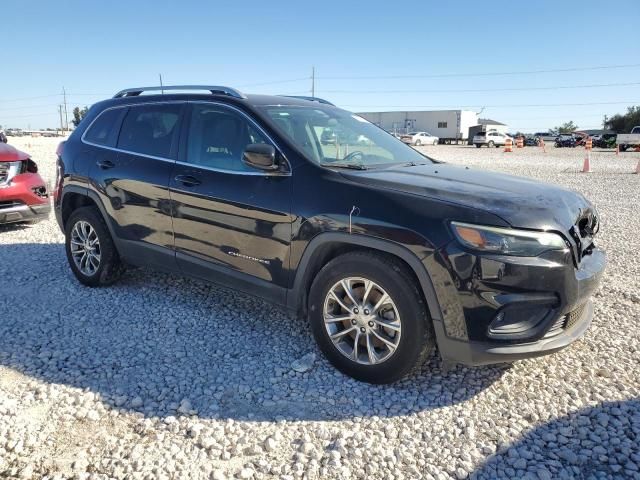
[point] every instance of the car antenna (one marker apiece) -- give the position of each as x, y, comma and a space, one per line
355, 210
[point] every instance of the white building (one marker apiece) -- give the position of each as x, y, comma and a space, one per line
445, 124
489, 124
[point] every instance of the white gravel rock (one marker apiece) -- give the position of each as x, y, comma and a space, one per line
164, 377
305, 363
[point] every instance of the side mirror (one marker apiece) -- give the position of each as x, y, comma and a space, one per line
260, 156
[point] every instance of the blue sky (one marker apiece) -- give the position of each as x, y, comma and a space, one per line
94, 49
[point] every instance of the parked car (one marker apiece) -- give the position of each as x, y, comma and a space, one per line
385, 252
531, 142
419, 138
23, 193
565, 140
607, 140
3, 137
547, 136
491, 138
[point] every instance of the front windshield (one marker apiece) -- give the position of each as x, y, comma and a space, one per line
330, 136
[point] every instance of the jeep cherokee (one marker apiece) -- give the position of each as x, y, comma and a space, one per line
388, 253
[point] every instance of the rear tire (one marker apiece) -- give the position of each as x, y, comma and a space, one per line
101, 266
405, 311
478, 145
418, 143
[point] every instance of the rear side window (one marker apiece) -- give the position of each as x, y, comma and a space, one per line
150, 129
104, 130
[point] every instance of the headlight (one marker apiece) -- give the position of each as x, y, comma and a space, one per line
12, 169
506, 241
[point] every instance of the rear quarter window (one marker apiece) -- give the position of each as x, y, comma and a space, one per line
150, 129
104, 130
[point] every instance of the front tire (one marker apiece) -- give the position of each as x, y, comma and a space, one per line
91, 253
491, 144
368, 317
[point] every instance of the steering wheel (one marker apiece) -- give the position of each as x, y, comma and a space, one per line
353, 155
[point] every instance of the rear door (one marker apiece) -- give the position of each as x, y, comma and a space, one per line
133, 182
232, 223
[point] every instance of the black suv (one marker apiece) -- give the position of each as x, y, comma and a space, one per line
386, 252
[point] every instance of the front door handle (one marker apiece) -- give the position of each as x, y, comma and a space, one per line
105, 164
187, 180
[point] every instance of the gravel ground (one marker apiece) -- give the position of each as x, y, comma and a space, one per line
164, 377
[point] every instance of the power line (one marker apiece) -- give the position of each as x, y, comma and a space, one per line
475, 90
29, 107
485, 74
52, 112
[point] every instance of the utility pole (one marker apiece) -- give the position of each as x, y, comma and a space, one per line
61, 124
313, 81
604, 122
66, 116
161, 86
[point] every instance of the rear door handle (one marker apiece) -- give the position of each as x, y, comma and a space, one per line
187, 180
105, 164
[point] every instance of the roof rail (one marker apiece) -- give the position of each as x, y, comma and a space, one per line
214, 89
311, 99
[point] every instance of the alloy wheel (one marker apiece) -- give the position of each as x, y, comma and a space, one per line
85, 248
362, 320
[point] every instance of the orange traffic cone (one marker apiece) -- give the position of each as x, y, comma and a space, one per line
617, 149
586, 166
542, 145
638, 168
507, 145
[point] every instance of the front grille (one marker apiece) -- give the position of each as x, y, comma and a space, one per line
4, 172
574, 316
565, 322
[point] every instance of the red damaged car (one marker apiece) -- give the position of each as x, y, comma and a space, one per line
23, 192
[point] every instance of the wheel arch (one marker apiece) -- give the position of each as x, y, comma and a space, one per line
326, 246
74, 197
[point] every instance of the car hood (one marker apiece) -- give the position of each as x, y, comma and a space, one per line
521, 202
11, 154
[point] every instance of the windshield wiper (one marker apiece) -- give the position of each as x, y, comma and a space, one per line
350, 166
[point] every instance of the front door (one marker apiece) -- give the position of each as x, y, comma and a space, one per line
232, 223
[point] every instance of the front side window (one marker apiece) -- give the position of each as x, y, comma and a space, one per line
352, 141
218, 137
104, 130
149, 129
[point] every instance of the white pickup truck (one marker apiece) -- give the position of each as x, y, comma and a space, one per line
626, 140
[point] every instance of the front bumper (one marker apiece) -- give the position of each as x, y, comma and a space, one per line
484, 353
24, 199
484, 288
24, 213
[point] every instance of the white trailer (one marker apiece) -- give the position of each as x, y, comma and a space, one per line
448, 125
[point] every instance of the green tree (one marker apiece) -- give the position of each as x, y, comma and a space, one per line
567, 127
78, 115
624, 123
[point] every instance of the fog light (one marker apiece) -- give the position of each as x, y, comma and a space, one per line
519, 321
